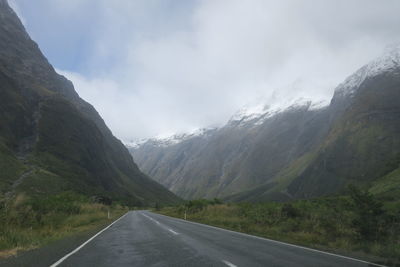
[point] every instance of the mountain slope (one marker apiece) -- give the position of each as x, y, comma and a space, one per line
50, 139
299, 152
241, 155
364, 142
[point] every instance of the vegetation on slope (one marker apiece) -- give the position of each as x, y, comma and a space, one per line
388, 187
359, 225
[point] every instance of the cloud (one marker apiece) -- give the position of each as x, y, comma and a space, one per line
163, 66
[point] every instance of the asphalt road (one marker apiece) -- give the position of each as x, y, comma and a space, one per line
142, 238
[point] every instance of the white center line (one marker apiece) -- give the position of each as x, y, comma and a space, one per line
229, 263
172, 231
148, 217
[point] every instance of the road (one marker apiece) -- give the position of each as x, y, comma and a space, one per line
143, 238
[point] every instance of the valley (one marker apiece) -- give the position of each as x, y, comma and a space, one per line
303, 175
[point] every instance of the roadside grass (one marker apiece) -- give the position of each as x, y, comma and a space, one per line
330, 224
31, 222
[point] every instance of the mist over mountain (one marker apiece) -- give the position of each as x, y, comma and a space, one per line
193, 64
303, 150
51, 140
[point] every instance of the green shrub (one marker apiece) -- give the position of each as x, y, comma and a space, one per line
369, 214
289, 211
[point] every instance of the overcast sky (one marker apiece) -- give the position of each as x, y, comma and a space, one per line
156, 67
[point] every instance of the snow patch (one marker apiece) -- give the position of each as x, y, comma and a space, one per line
165, 141
256, 115
134, 143
389, 61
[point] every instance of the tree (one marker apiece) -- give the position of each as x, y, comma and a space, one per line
368, 213
289, 211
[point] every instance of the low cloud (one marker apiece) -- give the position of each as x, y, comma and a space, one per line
161, 66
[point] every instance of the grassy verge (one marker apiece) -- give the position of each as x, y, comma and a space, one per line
338, 225
31, 222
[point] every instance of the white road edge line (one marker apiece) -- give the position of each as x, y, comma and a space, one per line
81, 246
229, 263
154, 220
273, 241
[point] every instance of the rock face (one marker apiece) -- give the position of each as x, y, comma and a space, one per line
298, 152
52, 138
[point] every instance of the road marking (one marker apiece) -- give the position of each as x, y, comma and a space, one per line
81, 246
148, 217
273, 241
172, 231
230, 264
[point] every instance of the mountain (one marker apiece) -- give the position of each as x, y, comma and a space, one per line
303, 150
363, 143
50, 139
246, 152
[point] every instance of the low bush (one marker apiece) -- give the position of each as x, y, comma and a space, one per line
358, 223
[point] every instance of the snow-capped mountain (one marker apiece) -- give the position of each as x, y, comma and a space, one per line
135, 143
249, 115
257, 114
296, 149
256, 142
161, 141
389, 61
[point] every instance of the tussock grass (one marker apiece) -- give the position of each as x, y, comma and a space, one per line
31, 222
